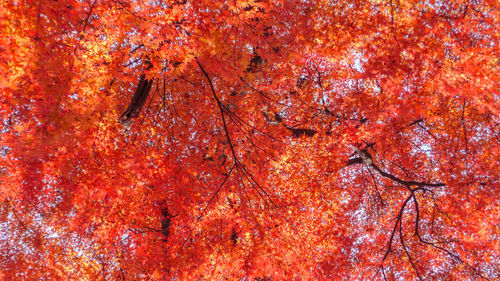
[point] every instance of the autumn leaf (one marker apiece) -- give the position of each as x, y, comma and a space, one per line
249, 140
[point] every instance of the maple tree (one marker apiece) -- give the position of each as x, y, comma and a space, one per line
252, 140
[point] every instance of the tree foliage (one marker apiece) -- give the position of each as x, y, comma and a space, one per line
249, 140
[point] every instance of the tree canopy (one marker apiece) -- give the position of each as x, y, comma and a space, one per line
249, 140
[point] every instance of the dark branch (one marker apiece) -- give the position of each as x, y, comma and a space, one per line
366, 159
221, 109
139, 98
398, 218
404, 182
299, 132
406, 250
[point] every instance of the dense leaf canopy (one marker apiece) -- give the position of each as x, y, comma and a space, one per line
249, 140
